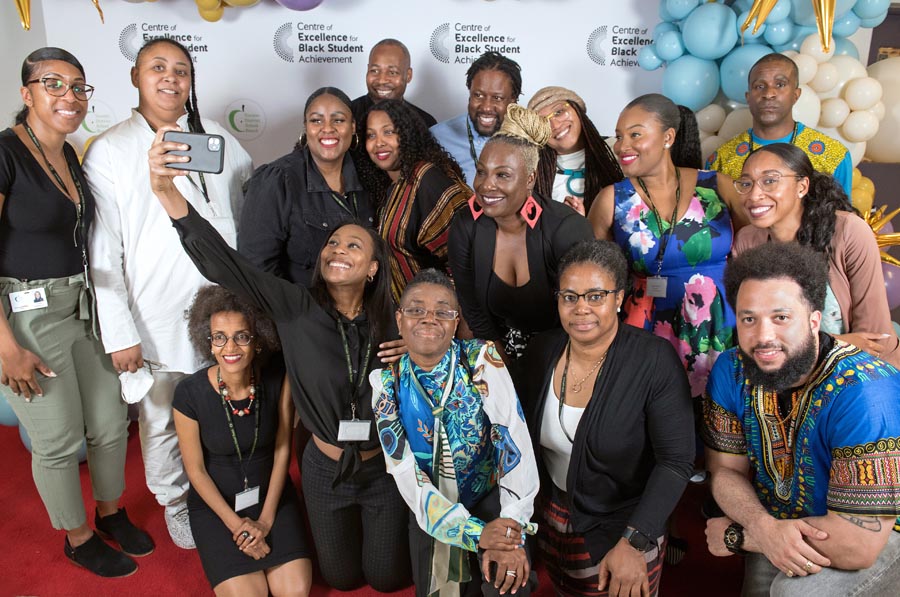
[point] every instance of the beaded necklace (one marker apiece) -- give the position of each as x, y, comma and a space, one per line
223, 392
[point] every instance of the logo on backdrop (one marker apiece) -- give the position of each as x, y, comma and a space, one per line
463, 43
246, 119
617, 45
134, 36
316, 43
99, 117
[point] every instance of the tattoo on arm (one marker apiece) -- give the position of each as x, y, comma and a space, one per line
869, 523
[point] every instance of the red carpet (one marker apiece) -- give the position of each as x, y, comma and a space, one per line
32, 561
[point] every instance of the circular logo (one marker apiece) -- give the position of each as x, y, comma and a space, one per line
742, 148
281, 44
245, 118
99, 117
129, 42
440, 43
594, 45
817, 147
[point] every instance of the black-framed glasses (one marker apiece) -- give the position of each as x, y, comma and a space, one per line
768, 182
241, 339
593, 297
58, 88
422, 313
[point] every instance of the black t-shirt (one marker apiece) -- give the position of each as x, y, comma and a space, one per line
38, 237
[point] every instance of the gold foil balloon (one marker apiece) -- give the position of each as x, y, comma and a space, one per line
24, 8
759, 11
100, 10
824, 21
877, 221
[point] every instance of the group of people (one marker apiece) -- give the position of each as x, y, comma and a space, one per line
489, 328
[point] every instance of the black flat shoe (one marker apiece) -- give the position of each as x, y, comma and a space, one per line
117, 527
96, 556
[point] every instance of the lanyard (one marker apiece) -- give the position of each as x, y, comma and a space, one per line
237, 448
471, 140
340, 201
791, 142
202, 188
664, 242
355, 384
79, 207
562, 388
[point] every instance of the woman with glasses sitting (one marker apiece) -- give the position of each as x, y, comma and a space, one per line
576, 163
234, 422
55, 374
608, 407
786, 200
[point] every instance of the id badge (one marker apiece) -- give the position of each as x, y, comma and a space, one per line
28, 300
355, 430
245, 499
656, 286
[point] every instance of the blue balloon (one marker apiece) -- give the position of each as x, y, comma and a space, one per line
648, 59
874, 21
740, 6
846, 25
662, 28
7, 416
845, 47
800, 34
664, 12
709, 32
869, 9
26, 441
691, 81
779, 33
680, 8
779, 12
735, 68
748, 35
670, 46
805, 14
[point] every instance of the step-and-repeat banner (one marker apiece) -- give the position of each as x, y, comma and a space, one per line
256, 66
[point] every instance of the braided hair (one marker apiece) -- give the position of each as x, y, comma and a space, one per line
525, 130
193, 111
822, 201
416, 144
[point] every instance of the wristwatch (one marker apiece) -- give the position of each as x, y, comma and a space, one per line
638, 540
734, 539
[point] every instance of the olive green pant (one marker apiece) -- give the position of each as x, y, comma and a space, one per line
82, 402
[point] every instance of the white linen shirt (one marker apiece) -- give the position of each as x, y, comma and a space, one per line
143, 279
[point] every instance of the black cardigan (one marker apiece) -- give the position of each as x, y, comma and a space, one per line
634, 446
471, 250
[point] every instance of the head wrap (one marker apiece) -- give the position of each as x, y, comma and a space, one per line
551, 95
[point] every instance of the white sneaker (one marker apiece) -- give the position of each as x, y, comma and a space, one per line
179, 525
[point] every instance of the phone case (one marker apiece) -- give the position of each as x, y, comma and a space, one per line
207, 152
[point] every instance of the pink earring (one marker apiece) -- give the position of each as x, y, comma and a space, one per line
476, 209
531, 211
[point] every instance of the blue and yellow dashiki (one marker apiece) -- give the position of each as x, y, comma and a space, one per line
839, 451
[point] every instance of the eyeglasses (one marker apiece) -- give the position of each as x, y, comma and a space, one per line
593, 297
422, 313
241, 339
564, 111
768, 183
58, 87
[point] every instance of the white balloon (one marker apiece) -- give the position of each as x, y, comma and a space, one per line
808, 107
736, 122
834, 112
848, 68
711, 143
791, 54
862, 94
860, 126
812, 47
826, 78
878, 110
885, 145
703, 135
806, 67
710, 118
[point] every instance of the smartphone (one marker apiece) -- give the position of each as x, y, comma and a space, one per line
207, 152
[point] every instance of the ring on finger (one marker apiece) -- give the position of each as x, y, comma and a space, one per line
508, 532
511, 573
789, 573
808, 566
245, 534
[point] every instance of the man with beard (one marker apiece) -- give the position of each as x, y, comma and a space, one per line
494, 82
803, 438
773, 89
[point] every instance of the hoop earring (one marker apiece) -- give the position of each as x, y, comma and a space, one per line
302, 141
370, 278
476, 209
355, 142
531, 211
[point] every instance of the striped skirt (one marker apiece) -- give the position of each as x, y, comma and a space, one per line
566, 556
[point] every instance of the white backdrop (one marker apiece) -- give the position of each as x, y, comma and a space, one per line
253, 75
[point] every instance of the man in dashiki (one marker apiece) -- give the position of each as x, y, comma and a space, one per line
803, 438
455, 440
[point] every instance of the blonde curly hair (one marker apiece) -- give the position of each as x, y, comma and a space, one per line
526, 130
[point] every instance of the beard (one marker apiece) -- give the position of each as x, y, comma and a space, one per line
797, 365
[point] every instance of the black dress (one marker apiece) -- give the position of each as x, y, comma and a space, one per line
221, 558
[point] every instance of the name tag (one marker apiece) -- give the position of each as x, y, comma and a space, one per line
354, 431
656, 286
28, 300
245, 499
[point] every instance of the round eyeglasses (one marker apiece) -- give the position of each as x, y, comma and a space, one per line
241, 339
58, 88
767, 182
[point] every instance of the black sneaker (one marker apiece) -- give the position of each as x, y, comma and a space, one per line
101, 559
117, 527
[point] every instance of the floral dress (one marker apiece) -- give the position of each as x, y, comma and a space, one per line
693, 315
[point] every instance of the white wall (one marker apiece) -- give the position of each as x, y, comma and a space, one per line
15, 44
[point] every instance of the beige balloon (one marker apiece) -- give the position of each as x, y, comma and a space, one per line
863, 93
736, 122
808, 107
860, 126
806, 67
885, 145
834, 112
812, 47
710, 118
826, 78
848, 68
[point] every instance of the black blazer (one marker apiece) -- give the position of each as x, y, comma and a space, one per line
634, 446
471, 250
